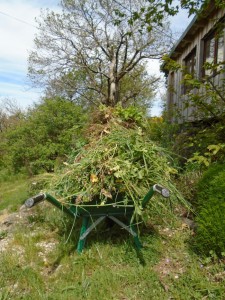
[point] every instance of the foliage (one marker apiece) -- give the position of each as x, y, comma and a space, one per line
43, 137
131, 114
182, 142
210, 234
149, 16
10, 114
153, 14
212, 151
136, 88
163, 132
201, 143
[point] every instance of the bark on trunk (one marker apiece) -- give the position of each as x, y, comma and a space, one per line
113, 85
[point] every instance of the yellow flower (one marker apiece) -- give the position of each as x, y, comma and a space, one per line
94, 178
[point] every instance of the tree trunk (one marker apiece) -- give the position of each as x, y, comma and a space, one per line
113, 83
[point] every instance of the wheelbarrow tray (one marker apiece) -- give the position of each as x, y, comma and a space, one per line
112, 207
93, 213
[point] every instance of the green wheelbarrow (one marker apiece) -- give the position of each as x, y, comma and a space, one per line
92, 213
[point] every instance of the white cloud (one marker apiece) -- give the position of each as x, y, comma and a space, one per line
17, 32
16, 37
24, 97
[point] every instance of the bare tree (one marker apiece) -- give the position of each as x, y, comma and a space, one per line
10, 113
87, 40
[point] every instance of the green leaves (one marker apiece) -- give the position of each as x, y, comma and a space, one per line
208, 156
44, 136
200, 159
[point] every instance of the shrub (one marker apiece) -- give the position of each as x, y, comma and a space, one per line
48, 132
210, 234
187, 182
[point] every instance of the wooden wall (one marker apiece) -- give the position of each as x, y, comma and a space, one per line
175, 97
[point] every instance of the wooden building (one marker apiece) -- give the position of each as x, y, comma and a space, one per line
199, 44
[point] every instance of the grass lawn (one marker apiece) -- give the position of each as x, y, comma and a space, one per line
41, 262
13, 192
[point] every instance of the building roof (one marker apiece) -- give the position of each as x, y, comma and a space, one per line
187, 37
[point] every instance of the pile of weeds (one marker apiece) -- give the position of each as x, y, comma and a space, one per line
119, 157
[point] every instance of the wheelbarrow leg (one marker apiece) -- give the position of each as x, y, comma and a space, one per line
132, 229
136, 238
84, 227
85, 230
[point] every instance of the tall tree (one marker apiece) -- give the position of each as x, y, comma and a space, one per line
137, 89
93, 41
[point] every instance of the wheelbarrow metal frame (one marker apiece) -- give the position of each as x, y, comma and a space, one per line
94, 210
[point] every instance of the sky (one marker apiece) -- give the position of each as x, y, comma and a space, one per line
17, 32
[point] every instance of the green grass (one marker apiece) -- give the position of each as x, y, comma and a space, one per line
42, 262
13, 192
108, 270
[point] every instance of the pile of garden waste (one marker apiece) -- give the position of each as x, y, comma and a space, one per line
119, 157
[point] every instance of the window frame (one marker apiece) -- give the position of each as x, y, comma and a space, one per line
192, 56
214, 34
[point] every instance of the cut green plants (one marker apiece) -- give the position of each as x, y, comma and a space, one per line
119, 158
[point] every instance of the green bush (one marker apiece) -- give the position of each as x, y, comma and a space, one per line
210, 235
187, 181
43, 137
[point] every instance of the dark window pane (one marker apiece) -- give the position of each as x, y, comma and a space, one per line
190, 65
209, 53
220, 49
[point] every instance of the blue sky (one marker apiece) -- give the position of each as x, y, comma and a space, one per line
17, 31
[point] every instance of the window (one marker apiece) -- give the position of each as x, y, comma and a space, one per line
190, 68
213, 52
171, 95
190, 63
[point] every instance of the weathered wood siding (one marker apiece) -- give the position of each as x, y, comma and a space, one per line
176, 99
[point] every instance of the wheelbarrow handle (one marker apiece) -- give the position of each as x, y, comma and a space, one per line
155, 188
161, 190
44, 196
34, 200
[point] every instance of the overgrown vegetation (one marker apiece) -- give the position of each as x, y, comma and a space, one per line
45, 265
200, 146
119, 150
39, 139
